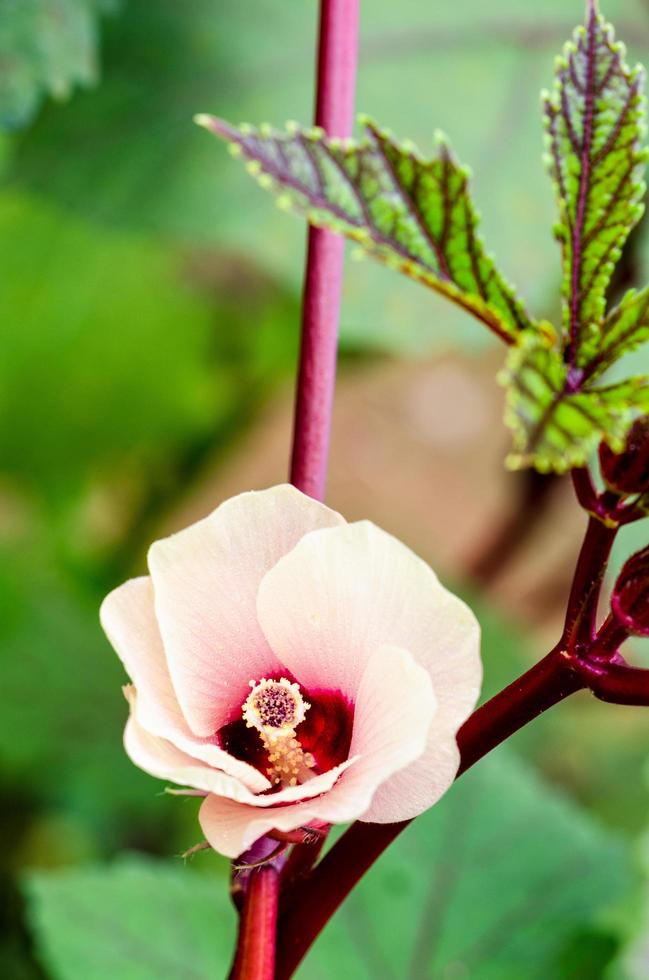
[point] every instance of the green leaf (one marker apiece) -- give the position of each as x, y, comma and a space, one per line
492, 883
136, 920
625, 328
411, 213
557, 424
594, 121
631, 963
47, 47
62, 694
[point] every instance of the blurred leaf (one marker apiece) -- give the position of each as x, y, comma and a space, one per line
632, 962
595, 127
104, 350
47, 47
136, 920
413, 214
63, 709
557, 425
515, 872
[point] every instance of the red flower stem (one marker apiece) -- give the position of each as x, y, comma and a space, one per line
610, 636
312, 904
617, 683
256, 943
301, 859
334, 112
581, 614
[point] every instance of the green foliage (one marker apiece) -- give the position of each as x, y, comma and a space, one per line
633, 956
137, 920
595, 125
411, 213
47, 47
555, 424
63, 710
506, 891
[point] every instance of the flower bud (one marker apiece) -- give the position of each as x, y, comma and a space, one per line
628, 472
630, 598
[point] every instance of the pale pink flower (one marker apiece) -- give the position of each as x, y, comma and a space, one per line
295, 669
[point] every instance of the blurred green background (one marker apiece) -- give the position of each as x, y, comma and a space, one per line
149, 304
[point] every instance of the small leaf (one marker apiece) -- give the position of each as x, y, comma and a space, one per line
556, 423
594, 122
630, 596
625, 328
411, 213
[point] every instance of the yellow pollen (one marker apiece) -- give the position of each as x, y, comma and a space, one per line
275, 709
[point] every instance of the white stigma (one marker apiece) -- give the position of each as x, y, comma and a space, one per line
275, 709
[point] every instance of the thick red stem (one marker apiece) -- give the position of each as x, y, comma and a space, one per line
334, 112
255, 955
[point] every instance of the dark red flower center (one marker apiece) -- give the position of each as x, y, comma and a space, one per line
324, 735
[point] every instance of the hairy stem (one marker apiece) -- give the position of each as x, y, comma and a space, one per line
312, 905
301, 860
334, 110
255, 955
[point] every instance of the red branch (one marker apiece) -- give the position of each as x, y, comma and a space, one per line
587, 582
255, 955
334, 111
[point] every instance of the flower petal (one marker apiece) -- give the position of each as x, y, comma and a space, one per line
127, 615
341, 593
128, 618
160, 758
206, 580
394, 708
